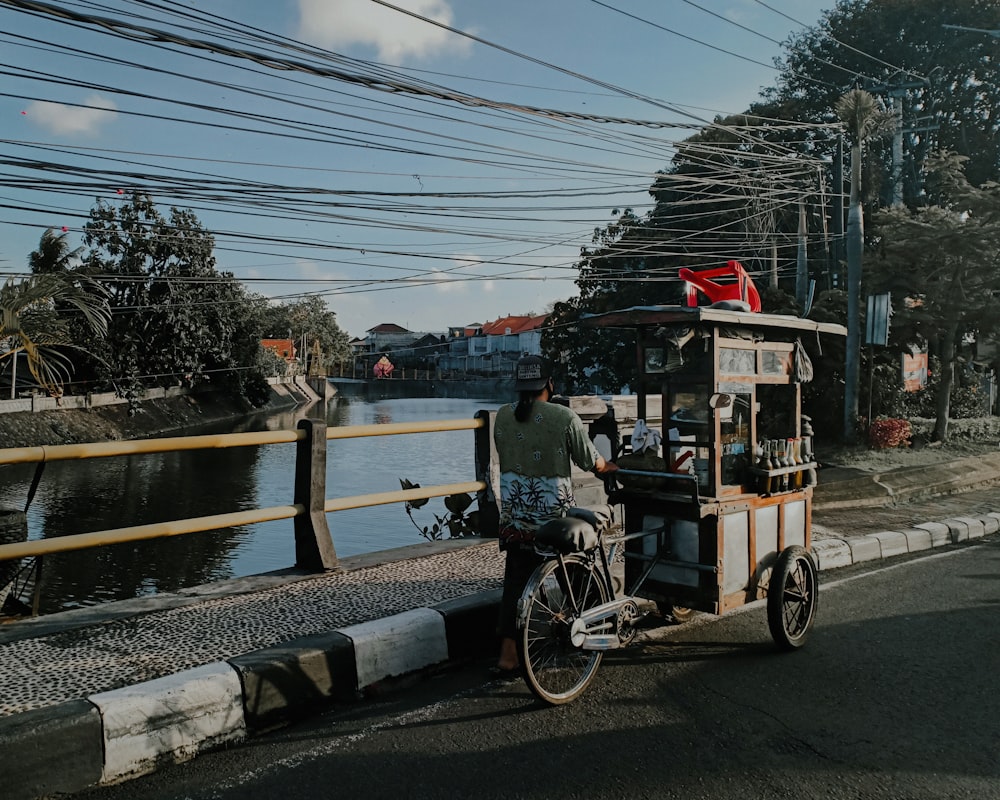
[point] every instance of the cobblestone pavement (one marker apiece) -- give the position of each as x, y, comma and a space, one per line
44, 670
77, 662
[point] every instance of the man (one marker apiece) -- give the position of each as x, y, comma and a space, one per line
537, 443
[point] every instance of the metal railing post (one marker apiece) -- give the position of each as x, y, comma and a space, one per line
314, 550
486, 466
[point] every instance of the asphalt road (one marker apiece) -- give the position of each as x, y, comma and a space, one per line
896, 695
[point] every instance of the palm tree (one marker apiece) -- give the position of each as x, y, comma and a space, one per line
863, 120
53, 253
35, 317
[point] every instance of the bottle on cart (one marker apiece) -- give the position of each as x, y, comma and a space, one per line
779, 462
767, 464
797, 458
810, 478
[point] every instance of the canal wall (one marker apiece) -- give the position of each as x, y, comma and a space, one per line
34, 422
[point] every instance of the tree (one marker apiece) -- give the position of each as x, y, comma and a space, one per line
178, 319
620, 270
53, 254
35, 318
311, 320
948, 81
944, 260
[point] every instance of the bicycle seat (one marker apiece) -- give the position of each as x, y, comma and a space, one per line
567, 535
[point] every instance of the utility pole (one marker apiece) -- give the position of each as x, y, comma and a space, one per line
897, 146
802, 259
897, 89
839, 257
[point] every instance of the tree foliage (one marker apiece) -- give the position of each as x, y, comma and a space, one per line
37, 317
177, 318
312, 320
943, 262
949, 80
718, 199
621, 269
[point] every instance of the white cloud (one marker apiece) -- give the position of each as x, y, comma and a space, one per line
395, 36
59, 118
445, 283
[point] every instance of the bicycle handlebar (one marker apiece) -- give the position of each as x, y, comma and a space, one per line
610, 479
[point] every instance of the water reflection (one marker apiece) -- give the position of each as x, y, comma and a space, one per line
99, 494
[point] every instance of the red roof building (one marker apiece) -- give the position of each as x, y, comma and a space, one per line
285, 348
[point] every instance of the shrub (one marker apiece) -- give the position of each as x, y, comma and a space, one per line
888, 432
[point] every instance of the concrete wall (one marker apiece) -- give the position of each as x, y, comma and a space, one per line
40, 402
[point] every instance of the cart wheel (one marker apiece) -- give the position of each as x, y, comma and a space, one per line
555, 669
792, 597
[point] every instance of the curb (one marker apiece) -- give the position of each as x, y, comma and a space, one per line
112, 736
835, 551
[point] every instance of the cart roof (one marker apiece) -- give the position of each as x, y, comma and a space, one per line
641, 316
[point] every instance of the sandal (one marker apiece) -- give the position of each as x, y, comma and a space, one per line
505, 673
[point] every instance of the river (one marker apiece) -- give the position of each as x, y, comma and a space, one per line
100, 494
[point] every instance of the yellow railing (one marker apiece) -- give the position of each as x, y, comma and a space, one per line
308, 499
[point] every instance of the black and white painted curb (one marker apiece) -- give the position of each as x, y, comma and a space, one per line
115, 735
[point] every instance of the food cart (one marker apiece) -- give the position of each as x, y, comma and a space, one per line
727, 515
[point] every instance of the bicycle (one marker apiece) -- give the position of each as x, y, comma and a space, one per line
570, 614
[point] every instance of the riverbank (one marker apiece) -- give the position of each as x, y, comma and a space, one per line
156, 417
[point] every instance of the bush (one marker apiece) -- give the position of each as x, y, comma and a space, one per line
255, 388
889, 432
968, 402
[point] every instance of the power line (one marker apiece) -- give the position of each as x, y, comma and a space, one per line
836, 41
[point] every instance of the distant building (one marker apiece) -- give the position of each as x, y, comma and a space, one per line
387, 336
283, 348
493, 348
489, 349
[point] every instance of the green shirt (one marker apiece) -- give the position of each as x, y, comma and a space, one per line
536, 458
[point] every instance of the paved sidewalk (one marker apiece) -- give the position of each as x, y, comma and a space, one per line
97, 695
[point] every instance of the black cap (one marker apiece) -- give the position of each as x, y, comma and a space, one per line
532, 373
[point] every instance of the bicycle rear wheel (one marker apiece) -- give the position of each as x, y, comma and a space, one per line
555, 670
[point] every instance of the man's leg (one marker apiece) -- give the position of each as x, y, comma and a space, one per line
520, 563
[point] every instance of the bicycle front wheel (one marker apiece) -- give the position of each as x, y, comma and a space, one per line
555, 669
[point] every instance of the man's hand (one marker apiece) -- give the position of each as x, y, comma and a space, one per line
602, 467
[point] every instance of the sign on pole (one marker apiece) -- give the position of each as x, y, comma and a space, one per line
877, 323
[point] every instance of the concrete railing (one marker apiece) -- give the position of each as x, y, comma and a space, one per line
309, 506
314, 548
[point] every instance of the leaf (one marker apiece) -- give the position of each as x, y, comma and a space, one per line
457, 503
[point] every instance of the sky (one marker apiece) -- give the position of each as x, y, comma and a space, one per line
427, 175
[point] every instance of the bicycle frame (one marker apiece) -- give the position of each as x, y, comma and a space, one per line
595, 628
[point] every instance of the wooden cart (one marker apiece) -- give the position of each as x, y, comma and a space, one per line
729, 516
